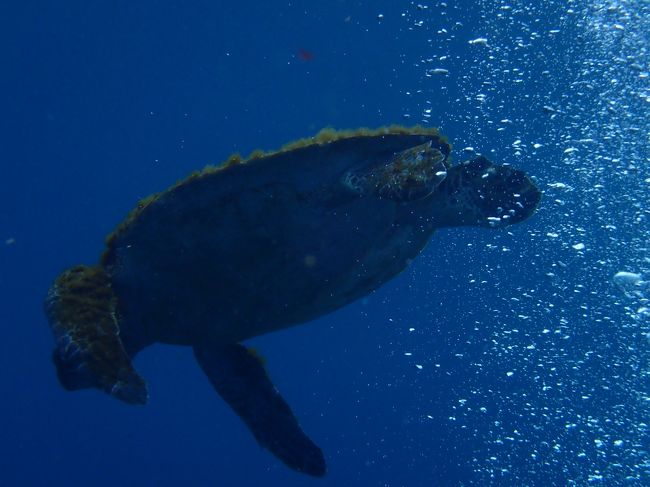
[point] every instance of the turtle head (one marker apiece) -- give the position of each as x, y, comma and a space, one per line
481, 193
409, 175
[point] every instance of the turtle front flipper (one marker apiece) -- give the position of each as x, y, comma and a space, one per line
81, 308
241, 380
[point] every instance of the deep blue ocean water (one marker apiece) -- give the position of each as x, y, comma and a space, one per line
507, 357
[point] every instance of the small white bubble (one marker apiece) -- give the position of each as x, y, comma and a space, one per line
481, 41
439, 71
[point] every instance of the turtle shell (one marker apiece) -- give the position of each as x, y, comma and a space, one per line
262, 244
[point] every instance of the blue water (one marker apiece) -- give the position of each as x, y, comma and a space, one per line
526, 364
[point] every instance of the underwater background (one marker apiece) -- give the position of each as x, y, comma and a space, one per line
514, 357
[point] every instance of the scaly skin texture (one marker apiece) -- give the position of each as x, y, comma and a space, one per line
411, 174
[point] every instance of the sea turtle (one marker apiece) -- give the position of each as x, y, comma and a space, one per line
257, 245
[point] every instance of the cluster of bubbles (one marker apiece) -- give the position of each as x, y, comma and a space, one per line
562, 89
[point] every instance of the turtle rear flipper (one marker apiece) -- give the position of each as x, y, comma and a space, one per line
81, 308
241, 380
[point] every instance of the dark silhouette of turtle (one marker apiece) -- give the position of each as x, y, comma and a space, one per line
262, 244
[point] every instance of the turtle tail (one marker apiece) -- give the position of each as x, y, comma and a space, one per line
81, 309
